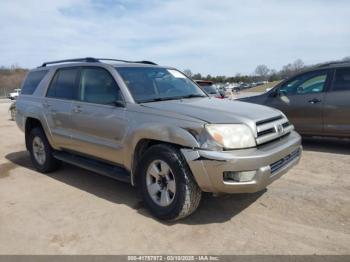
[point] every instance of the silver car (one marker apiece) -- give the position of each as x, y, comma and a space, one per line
153, 127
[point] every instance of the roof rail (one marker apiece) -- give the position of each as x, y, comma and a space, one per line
94, 60
333, 63
126, 61
86, 59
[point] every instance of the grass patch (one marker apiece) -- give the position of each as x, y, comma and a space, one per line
262, 88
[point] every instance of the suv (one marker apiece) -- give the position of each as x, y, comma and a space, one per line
316, 101
153, 127
209, 88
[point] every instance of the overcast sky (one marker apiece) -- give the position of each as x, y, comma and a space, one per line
219, 37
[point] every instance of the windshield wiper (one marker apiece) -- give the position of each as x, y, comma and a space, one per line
191, 96
158, 99
170, 98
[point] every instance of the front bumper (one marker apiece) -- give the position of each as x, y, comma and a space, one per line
270, 162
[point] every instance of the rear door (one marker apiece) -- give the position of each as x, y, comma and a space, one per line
58, 105
98, 117
337, 104
302, 99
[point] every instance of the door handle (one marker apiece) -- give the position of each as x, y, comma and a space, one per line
77, 109
314, 101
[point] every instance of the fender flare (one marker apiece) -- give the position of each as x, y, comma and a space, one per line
157, 132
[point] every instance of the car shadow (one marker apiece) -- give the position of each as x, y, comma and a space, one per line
219, 209
211, 209
327, 145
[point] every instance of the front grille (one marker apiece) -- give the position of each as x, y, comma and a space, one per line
286, 124
265, 132
272, 128
275, 167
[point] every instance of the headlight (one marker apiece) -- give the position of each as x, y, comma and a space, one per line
231, 136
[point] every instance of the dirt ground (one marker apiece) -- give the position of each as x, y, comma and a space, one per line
74, 211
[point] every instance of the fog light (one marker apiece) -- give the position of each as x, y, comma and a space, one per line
243, 176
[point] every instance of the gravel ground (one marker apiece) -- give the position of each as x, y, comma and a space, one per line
74, 211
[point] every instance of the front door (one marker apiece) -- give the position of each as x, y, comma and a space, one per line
302, 99
337, 105
99, 122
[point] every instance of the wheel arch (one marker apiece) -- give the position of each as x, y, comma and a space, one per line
179, 138
33, 122
30, 123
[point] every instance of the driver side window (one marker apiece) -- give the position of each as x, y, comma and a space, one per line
308, 83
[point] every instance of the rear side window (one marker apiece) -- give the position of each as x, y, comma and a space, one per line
209, 89
342, 80
64, 84
32, 81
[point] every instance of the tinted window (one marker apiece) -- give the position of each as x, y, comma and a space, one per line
32, 81
64, 84
309, 83
342, 79
151, 83
98, 86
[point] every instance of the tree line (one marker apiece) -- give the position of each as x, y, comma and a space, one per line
12, 77
261, 73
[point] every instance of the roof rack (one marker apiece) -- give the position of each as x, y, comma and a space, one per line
333, 63
127, 61
86, 59
95, 60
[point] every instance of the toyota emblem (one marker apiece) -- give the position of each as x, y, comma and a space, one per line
279, 129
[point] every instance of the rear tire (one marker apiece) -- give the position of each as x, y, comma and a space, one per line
41, 152
167, 185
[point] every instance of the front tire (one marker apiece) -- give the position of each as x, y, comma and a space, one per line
41, 152
167, 185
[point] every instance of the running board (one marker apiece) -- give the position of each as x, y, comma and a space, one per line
96, 166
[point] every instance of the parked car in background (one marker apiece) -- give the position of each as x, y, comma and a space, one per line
236, 89
210, 89
12, 110
317, 101
13, 95
223, 91
244, 86
153, 127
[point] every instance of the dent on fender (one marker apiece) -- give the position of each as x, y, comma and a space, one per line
202, 158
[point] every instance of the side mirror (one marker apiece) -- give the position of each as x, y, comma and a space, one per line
119, 103
274, 93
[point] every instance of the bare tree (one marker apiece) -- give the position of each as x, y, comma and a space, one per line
262, 71
346, 59
298, 65
188, 73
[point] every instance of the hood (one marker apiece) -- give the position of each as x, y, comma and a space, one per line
216, 111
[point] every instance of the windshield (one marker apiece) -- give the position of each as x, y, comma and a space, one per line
148, 84
210, 89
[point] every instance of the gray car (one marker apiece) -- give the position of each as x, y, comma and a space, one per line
315, 101
153, 127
